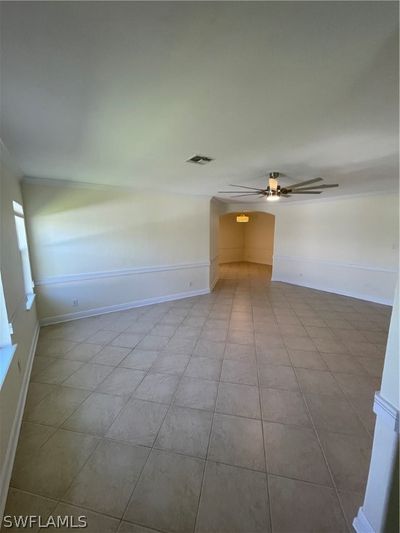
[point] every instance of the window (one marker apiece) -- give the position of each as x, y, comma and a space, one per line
6, 348
23, 248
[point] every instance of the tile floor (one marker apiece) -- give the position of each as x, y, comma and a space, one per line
247, 410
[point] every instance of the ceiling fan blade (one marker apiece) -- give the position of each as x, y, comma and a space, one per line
301, 183
305, 192
318, 187
245, 194
285, 195
245, 187
235, 192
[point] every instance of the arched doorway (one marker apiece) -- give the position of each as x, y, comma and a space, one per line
246, 244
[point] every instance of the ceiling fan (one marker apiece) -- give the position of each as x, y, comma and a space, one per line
274, 191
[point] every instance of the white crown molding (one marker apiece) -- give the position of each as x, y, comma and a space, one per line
76, 184
333, 263
121, 307
85, 276
385, 410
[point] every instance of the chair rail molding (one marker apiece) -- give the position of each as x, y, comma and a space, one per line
84, 276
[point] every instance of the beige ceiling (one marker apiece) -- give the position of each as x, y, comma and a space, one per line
124, 92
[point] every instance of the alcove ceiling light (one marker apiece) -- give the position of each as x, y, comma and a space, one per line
242, 218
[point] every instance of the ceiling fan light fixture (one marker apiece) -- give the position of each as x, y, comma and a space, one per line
273, 184
272, 197
242, 218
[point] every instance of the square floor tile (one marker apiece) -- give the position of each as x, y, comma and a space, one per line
88, 376
56, 407
196, 393
273, 356
127, 527
212, 349
106, 481
20, 503
185, 431
240, 352
170, 363
83, 352
299, 343
277, 377
163, 330
50, 471
153, 342
36, 393
110, 355
330, 346
348, 457
96, 414
351, 502
96, 523
167, 494
307, 359
140, 359
284, 406
295, 452
102, 337
127, 340
296, 506
241, 336
317, 382
240, 400
55, 347
333, 413
204, 368
180, 345
343, 363
121, 382
353, 385
237, 441
138, 422
239, 372
233, 500
157, 388
57, 372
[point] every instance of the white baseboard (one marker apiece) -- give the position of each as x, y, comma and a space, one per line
13, 440
120, 307
351, 294
361, 524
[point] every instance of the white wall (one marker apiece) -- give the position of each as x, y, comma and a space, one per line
216, 209
231, 239
259, 238
252, 241
25, 324
111, 248
344, 245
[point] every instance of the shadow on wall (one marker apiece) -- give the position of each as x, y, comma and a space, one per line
251, 241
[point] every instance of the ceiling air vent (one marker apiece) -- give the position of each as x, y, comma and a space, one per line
199, 159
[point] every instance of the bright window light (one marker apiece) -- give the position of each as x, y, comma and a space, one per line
7, 349
23, 248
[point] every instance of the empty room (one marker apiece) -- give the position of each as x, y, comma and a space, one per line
199, 237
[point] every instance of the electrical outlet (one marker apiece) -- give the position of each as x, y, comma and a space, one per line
75, 303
